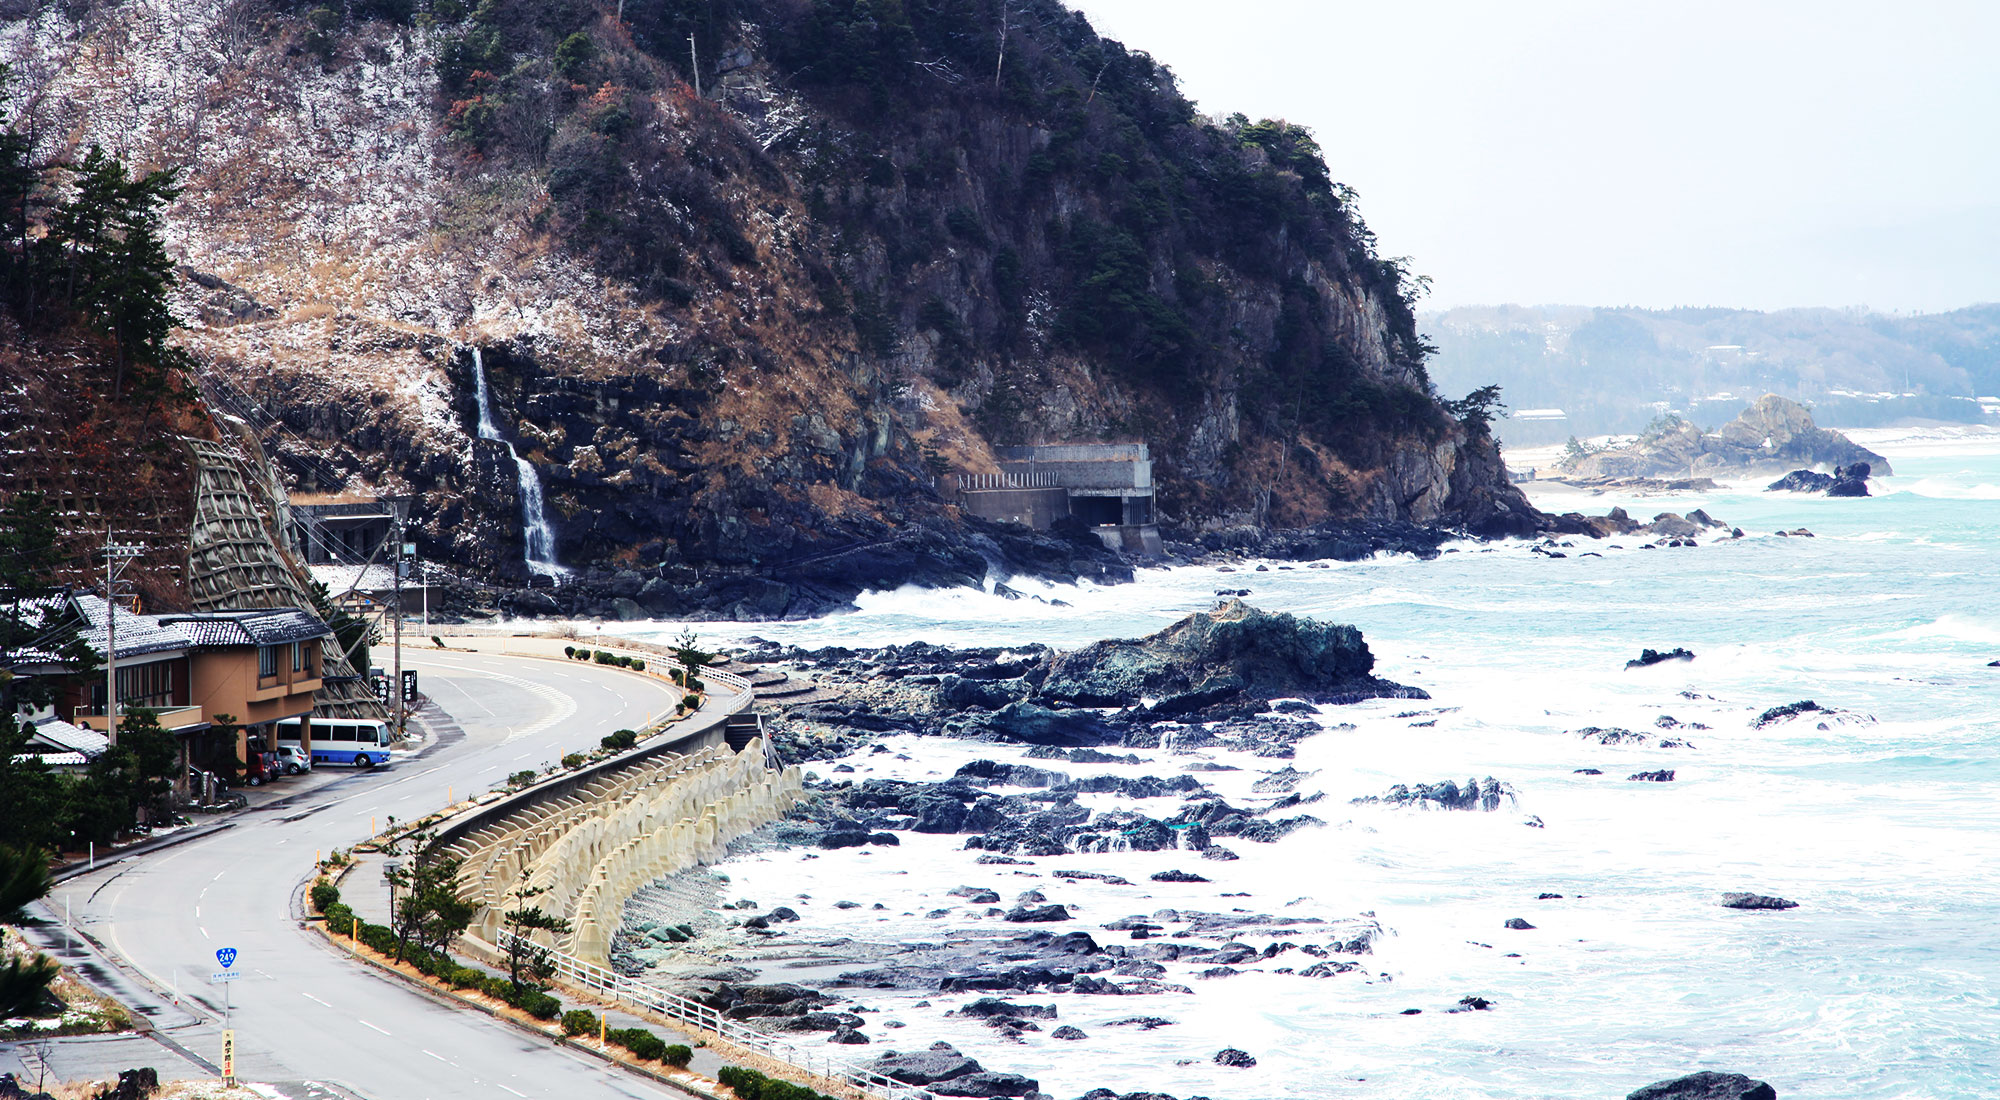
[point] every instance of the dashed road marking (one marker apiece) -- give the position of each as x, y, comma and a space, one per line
372, 1027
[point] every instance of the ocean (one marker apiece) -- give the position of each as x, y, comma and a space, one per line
1880, 819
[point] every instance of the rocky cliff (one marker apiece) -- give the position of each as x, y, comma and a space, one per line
738, 312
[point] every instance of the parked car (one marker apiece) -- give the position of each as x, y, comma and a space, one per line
261, 766
294, 760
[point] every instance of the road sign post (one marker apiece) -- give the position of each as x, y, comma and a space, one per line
227, 957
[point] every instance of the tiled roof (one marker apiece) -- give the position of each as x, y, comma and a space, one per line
54, 759
273, 626
137, 634
59, 734
39, 613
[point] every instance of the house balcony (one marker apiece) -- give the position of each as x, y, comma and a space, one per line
171, 718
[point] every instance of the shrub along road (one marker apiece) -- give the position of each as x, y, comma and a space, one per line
301, 1011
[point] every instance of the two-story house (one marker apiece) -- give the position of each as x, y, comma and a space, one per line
217, 680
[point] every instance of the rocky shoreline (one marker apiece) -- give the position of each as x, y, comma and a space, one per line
928, 555
1044, 766
1235, 679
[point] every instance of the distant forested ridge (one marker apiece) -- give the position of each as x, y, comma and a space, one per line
1616, 370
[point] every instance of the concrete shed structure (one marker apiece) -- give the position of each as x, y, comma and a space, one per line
1108, 486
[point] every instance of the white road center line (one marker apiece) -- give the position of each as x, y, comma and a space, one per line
314, 999
372, 1027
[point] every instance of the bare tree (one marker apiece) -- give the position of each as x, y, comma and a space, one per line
1001, 58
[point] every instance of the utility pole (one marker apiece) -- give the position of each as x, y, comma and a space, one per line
116, 557
396, 680
694, 67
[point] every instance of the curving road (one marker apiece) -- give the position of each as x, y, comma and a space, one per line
302, 1012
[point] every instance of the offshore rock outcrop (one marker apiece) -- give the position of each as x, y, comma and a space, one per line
1448, 795
1213, 656
1845, 481
1706, 1085
1772, 435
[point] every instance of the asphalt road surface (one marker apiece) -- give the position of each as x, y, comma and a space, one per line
301, 1011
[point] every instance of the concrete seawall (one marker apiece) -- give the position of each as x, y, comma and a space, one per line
591, 838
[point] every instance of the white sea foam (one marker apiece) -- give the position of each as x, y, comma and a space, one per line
1938, 488
1881, 821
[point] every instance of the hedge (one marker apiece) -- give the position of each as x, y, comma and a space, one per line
579, 1021
324, 894
751, 1085
534, 1002
643, 1044
339, 917
678, 1055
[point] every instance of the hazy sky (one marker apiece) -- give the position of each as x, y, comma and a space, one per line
1757, 154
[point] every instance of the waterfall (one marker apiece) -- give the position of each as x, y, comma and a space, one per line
538, 539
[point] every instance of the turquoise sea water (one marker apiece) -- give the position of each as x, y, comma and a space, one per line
1883, 822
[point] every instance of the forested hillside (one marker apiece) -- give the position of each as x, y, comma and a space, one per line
1616, 370
748, 274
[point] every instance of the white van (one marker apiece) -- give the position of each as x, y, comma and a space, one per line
362, 743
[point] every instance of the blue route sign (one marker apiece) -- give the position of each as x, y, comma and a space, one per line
226, 956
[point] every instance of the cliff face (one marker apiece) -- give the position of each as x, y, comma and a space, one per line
743, 330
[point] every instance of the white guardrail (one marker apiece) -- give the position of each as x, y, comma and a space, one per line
607, 983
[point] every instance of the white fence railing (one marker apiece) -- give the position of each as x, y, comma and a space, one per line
609, 984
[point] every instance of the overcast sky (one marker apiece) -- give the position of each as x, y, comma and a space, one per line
1755, 154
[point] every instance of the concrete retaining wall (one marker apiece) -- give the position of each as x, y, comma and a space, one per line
590, 838
1036, 508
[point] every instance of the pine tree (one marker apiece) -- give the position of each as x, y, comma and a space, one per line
116, 270
527, 961
19, 181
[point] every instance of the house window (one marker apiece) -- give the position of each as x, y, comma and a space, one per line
267, 661
298, 656
148, 685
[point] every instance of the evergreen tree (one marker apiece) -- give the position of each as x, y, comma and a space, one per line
116, 271
429, 910
37, 806
19, 181
351, 632
529, 963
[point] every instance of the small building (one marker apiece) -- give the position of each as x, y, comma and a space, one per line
367, 590
344, 528
62, 746
1108, 486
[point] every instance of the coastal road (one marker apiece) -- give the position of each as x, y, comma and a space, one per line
302, 1011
